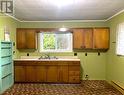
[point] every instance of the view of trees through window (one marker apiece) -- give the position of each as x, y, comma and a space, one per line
56, 41
49, 41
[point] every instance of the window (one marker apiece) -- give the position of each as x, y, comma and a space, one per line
55, 42
120, 39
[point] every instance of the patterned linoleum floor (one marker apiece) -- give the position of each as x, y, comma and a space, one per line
85, 88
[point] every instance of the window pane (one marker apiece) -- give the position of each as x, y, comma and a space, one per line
55, 41
61, 41
48, 41
120, 40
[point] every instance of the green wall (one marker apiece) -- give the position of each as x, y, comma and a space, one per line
93, 65
115, 64
11, 25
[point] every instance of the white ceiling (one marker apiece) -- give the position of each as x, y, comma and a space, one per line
46, 10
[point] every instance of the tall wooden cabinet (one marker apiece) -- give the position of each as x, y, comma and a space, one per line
91, 38
26, 38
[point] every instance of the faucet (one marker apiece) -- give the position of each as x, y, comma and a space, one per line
45, 56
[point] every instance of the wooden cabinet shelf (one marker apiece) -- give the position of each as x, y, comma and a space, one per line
47, 71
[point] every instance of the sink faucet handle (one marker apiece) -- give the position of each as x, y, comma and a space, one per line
40, 57
47, 55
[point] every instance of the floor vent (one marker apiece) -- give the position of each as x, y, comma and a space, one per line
117, 86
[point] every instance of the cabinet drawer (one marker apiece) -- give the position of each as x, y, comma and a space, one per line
5, 52
74, 79
6, 60
6, 70
74, 68
6, 45
7, 82
74, 73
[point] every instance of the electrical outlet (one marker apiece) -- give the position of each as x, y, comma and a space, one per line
86, 77
27, 54
75, 54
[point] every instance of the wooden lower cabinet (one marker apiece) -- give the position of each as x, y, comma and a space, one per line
52, 71
30, 73
40, 73
19, 73
74, 72
63, 72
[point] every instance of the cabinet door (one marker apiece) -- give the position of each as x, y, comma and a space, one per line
31, 39
101, 38
30, 73
52, 73
78, 38
40, 73
19, 73
63, 73
21, 38
88, 38
26, 38
83, 38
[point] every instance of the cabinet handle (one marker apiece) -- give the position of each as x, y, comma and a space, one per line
82, 46
73, 79
94, 46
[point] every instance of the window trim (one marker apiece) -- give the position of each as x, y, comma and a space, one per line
54, 51
118, 52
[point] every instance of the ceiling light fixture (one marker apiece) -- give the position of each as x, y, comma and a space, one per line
63, 29
61, 3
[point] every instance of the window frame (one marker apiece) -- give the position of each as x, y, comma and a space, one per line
119, 40
56, 50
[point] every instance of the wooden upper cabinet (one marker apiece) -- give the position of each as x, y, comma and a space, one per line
21, 38
26, 39
77, 38
31, 39
101, 38
88, 36
82, 38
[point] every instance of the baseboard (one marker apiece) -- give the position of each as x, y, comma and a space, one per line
117, 86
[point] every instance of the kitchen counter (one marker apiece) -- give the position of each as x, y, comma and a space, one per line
36, 58
60, 59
